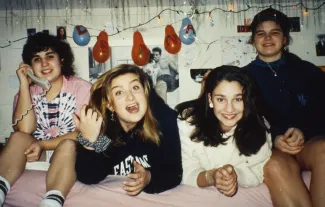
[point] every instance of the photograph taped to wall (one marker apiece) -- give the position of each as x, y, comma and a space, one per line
95, 68
61, 32
236, 51
294, 24
162, 69
31, 31
320, 45
198, 75
46, 31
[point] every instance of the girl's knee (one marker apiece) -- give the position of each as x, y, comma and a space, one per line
20, 138
320, 151
281, 164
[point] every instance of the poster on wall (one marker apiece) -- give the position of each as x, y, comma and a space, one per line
320, 45
162, 68
96, 69
236, 51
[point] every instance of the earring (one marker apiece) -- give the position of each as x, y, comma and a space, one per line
112, 117
211, 105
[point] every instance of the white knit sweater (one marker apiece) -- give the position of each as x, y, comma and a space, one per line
197, 158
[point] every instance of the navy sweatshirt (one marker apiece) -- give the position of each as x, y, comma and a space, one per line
295, 97
163, 161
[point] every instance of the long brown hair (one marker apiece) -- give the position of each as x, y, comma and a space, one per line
100, 97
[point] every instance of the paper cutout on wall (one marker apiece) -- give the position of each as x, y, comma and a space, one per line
235, 51
198, 74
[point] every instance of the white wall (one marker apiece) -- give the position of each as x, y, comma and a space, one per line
193, 56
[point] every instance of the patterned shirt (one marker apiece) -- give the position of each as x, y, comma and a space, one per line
54, 118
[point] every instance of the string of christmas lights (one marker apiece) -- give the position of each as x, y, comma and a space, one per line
195, 12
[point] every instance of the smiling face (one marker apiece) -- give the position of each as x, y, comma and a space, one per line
128, 100
46, 64
269, 41
227, 103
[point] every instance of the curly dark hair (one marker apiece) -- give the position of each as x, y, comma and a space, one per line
250, 133
43, 42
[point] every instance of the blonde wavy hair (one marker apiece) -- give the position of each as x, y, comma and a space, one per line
100, 96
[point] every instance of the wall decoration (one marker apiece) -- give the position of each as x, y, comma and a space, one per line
81, 35
172, 42
187, 32
198, 75
121, 8
101, 51
61, 32
140, 51
248, 21
243, 28
320, 45
236, 51
162, 68
31, 31
95, 68
294, 24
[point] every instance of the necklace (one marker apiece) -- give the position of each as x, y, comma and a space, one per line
273, 69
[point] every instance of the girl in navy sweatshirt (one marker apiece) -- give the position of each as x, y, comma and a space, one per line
144, 145
127, 130
293, 91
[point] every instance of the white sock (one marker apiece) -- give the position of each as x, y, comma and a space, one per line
53, 198
4, 189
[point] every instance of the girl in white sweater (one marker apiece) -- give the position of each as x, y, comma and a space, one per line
225, 141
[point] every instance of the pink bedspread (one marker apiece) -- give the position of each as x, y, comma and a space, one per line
30, 189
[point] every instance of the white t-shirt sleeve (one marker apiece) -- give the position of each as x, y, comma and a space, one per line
190, 162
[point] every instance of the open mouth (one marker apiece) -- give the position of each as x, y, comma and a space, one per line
132, 108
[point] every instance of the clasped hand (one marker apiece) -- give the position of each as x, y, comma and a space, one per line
226, 180
140, 179
292, 142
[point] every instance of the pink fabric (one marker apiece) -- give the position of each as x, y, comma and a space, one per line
79, 88
30, 189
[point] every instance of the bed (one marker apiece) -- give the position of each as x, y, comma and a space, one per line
30, 188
